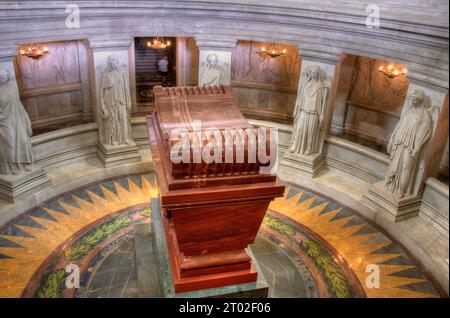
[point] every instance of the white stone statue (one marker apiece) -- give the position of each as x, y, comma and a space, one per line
115, 103
309, 112
408, 138
16, 154
213, 74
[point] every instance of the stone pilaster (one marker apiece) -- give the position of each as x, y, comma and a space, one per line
428, 160
214, 60
16, 187
112, 155
294, 163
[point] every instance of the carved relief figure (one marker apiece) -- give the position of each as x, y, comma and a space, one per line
249, 64
115, 103
408, 138
213, 74
309, 112
373, 89
16, 154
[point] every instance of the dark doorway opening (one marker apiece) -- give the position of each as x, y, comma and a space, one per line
150, 70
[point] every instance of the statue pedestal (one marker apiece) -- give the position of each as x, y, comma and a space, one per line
392, 207
111, 156
309, 165
16, 187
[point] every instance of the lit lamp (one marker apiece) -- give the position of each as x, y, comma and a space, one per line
392, 70
158, 43
273, 50
34, 51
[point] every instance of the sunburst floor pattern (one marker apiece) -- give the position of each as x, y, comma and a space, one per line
308, 246
363, 247
27, 243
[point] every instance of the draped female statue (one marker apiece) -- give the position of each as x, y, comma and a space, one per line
115, 103
16, 154
408, 138
309, 111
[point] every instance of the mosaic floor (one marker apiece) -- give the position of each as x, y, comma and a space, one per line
308, 246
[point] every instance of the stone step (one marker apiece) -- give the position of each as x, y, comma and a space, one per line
142, 65
146, 60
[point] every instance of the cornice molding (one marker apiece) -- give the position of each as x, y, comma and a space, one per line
98, 44
8, 53
330, 56
410, 33
205, 42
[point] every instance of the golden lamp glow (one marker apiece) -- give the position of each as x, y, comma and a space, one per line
158, 43
33, 51
273, 50
392, 70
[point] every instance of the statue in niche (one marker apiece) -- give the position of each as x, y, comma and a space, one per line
16, 154
213, 74
411, 133
309, 112
115, 103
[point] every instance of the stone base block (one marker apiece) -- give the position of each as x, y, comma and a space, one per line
258, 289
111, 156
392, 207
16, 187
308, 165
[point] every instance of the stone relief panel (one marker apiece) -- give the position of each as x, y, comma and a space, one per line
58, 67
55, 88
265, 87
372, 89
250, 65
214, 68
373, 104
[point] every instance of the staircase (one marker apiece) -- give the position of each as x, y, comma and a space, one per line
146, 60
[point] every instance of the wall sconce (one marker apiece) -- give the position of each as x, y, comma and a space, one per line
34, 51
392, 70
273, 50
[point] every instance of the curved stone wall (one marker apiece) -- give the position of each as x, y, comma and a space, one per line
411, 32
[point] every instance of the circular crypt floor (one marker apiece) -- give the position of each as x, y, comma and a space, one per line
308, 246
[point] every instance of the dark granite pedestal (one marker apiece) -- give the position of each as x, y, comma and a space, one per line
151, 251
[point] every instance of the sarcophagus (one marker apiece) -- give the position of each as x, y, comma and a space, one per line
215, 185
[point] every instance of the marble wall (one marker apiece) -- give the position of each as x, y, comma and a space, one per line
55, 88
373, 103
443, 172
192, 62
265, 87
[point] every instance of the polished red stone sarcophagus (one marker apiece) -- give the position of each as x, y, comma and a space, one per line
211, 211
